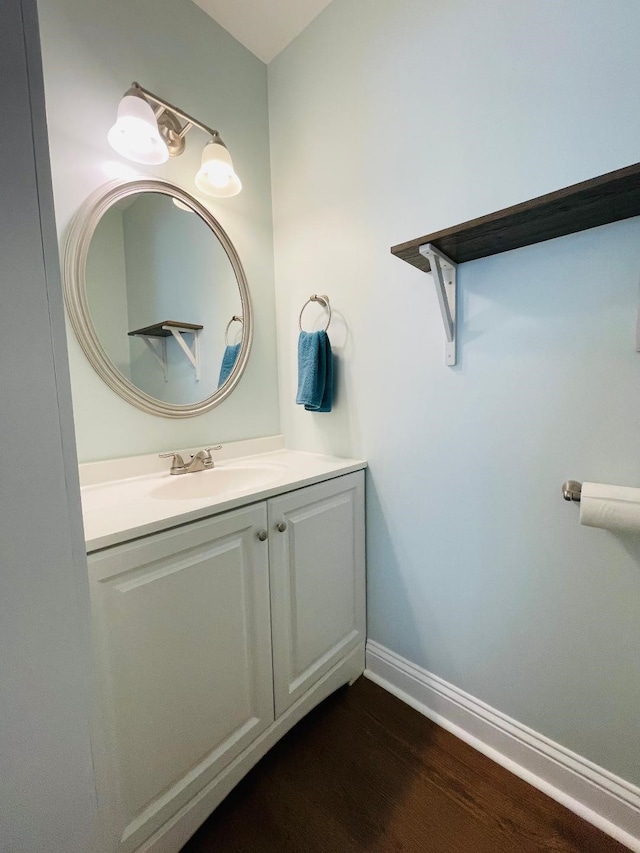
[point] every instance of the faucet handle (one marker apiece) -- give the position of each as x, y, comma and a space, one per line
177, 463
209, 460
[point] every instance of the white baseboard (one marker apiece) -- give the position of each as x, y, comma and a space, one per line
605, 800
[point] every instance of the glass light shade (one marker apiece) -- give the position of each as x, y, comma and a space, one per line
216, 176
135, 134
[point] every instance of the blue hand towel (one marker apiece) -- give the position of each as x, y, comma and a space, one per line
228, 362
315, 372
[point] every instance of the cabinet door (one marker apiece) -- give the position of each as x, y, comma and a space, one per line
183, 647
317, 565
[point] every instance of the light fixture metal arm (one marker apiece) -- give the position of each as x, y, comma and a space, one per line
190, 120
164, 131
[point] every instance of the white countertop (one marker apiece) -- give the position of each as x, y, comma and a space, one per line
118, 510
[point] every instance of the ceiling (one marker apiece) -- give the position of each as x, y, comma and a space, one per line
265, 27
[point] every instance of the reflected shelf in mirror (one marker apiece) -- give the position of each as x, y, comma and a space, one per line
166, 329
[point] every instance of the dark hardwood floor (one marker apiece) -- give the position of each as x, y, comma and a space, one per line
365, 772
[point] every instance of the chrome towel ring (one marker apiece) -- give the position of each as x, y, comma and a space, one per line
234, 319
321, 300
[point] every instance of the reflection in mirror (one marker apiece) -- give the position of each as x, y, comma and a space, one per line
151, 284
149, 262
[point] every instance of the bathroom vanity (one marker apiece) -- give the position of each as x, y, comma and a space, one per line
227, 602
225, 605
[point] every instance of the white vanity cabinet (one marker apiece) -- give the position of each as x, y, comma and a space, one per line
316, 554
211, 640
182, 638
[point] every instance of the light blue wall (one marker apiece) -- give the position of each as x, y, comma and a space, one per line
390, 120
92, 51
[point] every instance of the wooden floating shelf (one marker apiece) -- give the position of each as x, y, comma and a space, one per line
607, 198
174, 329
163, 330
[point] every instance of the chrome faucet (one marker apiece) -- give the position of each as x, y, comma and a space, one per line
202, 461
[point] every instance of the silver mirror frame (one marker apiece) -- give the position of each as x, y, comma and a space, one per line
75, 295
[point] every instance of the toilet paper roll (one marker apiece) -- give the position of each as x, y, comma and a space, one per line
610, 507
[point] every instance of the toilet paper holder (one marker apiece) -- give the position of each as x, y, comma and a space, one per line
572, 491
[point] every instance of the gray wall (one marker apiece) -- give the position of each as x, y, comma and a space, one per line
391, 120
47, 800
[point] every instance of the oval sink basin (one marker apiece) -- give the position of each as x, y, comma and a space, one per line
218, 481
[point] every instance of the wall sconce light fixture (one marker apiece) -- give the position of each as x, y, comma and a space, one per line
150, 130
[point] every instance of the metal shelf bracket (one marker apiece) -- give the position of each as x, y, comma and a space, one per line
160, 357
444, 272
192, 352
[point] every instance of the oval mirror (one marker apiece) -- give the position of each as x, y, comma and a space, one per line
157, 297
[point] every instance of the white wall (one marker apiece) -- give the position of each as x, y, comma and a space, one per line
390, 120
47, 796
92, 51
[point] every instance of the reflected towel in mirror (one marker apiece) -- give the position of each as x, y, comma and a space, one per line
315, 372
228, 362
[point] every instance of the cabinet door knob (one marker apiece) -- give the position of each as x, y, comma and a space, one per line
262, 535
281, 526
